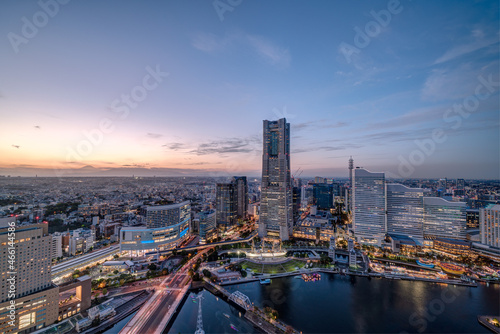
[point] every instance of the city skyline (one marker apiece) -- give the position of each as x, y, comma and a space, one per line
421, 86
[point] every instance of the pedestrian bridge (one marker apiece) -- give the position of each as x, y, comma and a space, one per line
237, 297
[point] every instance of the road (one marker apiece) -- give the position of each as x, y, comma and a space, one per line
152, 314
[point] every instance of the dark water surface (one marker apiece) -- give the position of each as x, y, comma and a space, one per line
348, 304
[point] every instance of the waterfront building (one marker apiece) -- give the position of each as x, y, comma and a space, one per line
405, 211
276, 216
35, 297
489, 224
444, 218
452, 246
369, 198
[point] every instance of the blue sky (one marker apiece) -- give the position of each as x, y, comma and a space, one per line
264, 60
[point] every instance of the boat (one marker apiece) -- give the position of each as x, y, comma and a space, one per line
265, 281
234, 328
226, 315
452, 268
425, 263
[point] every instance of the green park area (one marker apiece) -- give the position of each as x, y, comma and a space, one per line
257, 268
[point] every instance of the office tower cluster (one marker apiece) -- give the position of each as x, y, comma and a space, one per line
231, 201
394, 209
276, 205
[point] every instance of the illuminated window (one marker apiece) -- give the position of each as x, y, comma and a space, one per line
27, 320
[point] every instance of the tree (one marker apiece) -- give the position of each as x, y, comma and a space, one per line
207, 273
115, 272
152, 267
116, 256
104, 291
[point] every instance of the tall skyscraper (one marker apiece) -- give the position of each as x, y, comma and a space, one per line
276, 217
351, 184
369, 201
224, 204
489, 225
444, 219
241, 196
405, 211
26, 280
231, 200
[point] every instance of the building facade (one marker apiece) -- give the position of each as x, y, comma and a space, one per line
168, 215
167, 226
224, 204
405, 211
207, 227
369, 200
444, 219
30, 301
276, 211
489, 225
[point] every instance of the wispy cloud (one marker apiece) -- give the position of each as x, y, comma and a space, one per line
175, 146
209, 42
478, 43
154, 135
270, 52
266, 49
227, 145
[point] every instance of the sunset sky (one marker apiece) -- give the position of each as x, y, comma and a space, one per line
204, 79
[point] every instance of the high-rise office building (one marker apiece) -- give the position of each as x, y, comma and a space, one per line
231, 200
276, 216
444, 219
405, 211
31, 294
351, 185
461, 184
369, 201
324, 195
296, 199
240, 196
207, 227
489, 225
224, 204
